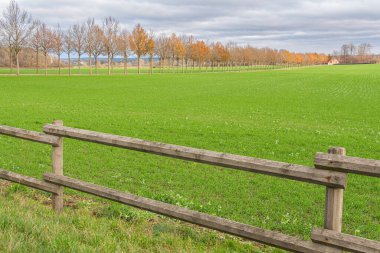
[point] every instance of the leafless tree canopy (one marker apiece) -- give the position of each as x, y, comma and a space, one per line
16, 27
79, 40
352, 54
110, 28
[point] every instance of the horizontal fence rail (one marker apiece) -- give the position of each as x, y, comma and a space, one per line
330, 171
348, 164
29, 135
249, 232
273, 168
344, 241
28, 181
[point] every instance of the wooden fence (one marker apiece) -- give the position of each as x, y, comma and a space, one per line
330, 170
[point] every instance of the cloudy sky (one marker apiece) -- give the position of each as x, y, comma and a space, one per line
300, 25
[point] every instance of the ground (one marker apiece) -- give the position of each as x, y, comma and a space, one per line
283, 115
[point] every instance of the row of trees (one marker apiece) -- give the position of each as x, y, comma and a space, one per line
20, 32
353, 54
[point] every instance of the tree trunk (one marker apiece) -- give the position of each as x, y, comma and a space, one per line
90, 62
69, 64
10, 60
17, 65
138, 64
112, 63
125, 63
59, 64
78, 63
96, 64
45, 64
37, 61
151, 64
109, 63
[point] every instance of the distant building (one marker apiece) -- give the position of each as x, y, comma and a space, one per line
333, 61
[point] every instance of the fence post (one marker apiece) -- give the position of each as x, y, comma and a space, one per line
334, 200
57, 162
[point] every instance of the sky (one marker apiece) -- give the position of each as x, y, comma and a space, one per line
297, 25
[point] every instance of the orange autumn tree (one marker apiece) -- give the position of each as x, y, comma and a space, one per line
138, 43
179, 51
299, 58
150, 50
216, 54
201, 52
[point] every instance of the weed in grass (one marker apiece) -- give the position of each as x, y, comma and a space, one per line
279, 115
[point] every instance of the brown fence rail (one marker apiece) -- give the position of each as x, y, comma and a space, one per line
330, 171
278, 169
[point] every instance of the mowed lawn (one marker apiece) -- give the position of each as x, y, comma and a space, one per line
283, 115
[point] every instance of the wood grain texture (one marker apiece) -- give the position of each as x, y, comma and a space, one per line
242, 230
348, 164
273, 168
29, 135
57, 164
345, 241
28, 181
334, 201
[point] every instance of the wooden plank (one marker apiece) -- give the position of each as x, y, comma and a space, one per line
279, 169
334, 200
29, 135
28, 181
242, 230
57, 164
348, 164
345, 241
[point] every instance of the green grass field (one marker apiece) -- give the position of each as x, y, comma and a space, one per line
103, 70
284, 115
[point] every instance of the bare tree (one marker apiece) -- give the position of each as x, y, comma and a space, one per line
68, 45
162, 49
57, 40
150, 44
98, 45
188, 42
345, 52
79, 36
46, 42
364, 50
19, 24
35, 43
110, 29
351, 51
6, 41
90, 34
124, 48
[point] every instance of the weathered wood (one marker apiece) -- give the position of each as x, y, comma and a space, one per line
348, 164
345, 241
279, 169
334, 201
28, 181
249, 232
57, 164
29, 135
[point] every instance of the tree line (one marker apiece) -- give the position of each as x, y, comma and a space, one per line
355, 54
20, 32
